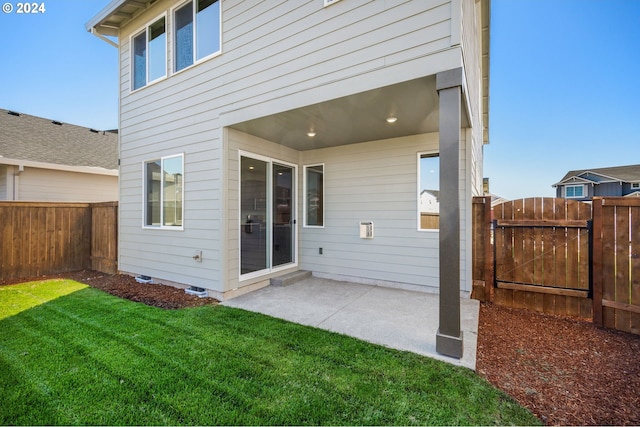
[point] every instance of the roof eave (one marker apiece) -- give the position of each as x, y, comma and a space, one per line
93, 24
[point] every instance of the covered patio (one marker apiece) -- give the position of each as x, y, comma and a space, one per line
396, 318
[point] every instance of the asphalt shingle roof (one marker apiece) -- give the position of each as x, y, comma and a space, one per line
629, 173
25, 137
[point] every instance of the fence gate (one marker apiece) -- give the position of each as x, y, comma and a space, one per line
541, 255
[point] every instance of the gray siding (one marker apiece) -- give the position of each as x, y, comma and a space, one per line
374, 181
609, 189
277, 56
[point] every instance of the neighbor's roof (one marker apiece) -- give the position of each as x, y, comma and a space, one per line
629, 173
43, 141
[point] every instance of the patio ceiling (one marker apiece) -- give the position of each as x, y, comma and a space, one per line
355, 118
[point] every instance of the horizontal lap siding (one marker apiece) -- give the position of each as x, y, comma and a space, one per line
271, 51
374, 181
46, 185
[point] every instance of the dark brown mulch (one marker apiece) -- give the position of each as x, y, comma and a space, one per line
566, 371
125, 286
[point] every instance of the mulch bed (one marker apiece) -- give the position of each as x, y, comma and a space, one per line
125, 286
566, 371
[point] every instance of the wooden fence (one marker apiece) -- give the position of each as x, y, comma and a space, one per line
49, 238
561, 257
616, 263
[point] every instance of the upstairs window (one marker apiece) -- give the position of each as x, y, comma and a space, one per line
574, 191
197, 32
150, 54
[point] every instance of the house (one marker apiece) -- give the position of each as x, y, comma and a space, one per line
293, 126
589, 183
49, 161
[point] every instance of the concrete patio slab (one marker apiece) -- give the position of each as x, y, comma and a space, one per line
396, 318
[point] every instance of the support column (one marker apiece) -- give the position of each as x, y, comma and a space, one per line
449, 336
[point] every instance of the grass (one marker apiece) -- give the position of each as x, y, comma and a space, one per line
88, 358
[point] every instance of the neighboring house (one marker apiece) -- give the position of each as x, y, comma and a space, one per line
49, 161
291, 123
429, 201
589, 183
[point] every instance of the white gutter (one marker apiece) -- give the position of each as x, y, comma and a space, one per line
103, 38
93, 24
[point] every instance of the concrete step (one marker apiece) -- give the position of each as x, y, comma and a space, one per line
290, 278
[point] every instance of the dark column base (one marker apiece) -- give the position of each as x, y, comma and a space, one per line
449, 346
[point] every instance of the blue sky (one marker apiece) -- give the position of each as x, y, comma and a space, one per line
565, 91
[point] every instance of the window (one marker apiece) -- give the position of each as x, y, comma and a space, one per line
428, 191
314, 196
197, 32
635, 185
163, 203
574, 191
149, 54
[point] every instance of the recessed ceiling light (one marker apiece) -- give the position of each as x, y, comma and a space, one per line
311, 134
392, 119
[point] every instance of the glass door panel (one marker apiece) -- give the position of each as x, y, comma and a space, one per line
283, 220
254, 228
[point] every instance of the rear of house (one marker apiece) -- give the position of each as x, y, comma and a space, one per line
261, 138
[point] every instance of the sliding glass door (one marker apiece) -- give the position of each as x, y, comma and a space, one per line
267, 214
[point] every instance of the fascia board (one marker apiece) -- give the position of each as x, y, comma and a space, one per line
573, 180
94, 170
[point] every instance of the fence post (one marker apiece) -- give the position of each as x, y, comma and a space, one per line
482, 249
596, 257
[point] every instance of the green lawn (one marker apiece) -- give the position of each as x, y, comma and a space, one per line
75, 355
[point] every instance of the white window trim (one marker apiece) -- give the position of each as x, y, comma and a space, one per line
145, 29
584, 192
330, 2
304, 195
144, 196
635, 185
195, 41
434, 153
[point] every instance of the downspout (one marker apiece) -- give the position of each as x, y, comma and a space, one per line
16, 182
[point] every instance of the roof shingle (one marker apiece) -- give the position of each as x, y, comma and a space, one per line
25, 137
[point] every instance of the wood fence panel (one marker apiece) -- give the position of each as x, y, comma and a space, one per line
618, 248
44, 238
564, 255
622, 279
635, 268
608, 263
104, 242
542, 255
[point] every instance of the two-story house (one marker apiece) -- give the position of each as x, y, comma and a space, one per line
586, 184
257, 136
